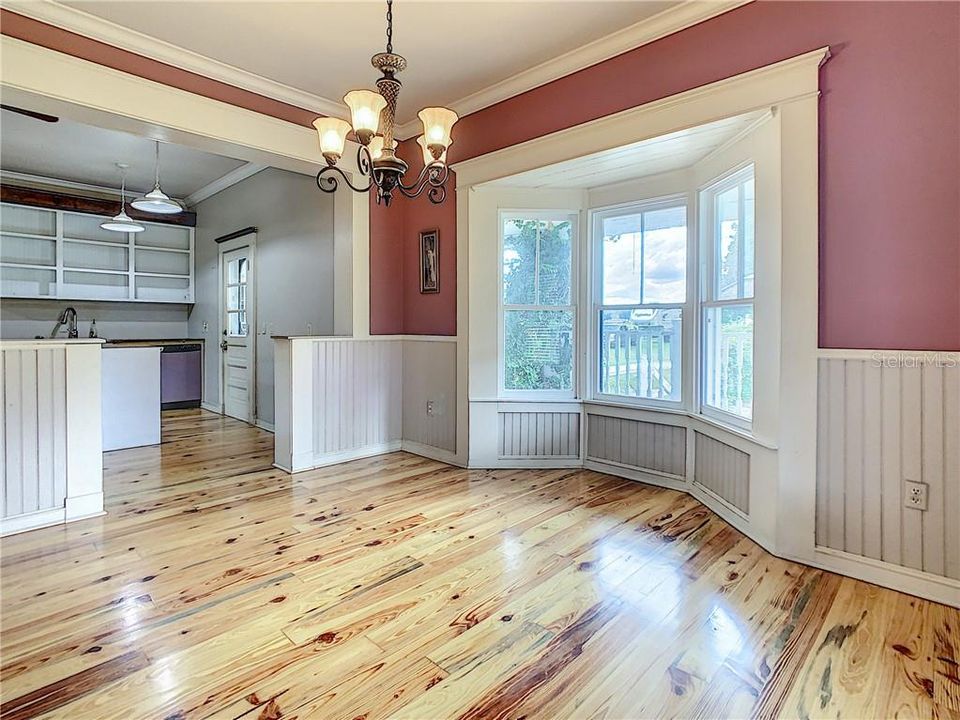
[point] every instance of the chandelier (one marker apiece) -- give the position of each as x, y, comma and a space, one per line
372, 117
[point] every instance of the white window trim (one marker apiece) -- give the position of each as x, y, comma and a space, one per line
596, 216
573, 307
705, 296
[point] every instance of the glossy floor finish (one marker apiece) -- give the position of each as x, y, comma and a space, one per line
220, 587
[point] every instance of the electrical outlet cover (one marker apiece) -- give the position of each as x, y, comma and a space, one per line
915, 495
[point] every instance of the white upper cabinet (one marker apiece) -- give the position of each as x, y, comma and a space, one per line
66, 255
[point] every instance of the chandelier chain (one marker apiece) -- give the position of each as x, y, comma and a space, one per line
389, 26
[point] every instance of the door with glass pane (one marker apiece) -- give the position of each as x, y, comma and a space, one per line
236, 344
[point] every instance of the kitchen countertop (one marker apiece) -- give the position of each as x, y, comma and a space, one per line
147, 342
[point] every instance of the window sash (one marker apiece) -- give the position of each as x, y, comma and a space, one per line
598, 216
641, 208
503, 307
711, 223
638, 400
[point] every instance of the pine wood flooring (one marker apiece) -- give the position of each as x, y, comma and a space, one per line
220, 587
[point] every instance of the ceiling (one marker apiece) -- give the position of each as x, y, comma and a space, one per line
454, 49
78, 153
651, 157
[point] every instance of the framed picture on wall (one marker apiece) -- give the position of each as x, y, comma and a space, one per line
429, 262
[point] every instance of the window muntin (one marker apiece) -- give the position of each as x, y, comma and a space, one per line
642, 260
538, 313
727, 306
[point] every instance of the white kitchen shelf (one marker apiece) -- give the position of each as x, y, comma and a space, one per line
57, 254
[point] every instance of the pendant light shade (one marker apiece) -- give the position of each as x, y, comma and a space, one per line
121, 222
156, 201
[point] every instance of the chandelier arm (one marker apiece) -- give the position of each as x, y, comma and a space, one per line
329, 184
438, 174
364, 160
433, 174
417, 184
436, 193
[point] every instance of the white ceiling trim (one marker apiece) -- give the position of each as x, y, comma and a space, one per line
644, 32
91, 26
222, 183
633, 36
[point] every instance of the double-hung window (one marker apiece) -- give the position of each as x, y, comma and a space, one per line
640, 260
727, 297
538, 302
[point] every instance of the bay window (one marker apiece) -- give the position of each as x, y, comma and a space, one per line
640, 300
538, 302
727, 297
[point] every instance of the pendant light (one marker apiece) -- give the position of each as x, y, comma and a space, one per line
121, 222
156, 201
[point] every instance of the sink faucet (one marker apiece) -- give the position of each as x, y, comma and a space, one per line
68, 317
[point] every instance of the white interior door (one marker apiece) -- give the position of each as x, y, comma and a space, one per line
237, 323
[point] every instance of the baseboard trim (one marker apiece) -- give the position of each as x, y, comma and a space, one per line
32, 521
211, 407
637, 474
431, 452
264, 425
906, 580
528, 463
324, 459
78, 507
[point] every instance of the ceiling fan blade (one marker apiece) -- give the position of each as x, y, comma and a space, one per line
31, 114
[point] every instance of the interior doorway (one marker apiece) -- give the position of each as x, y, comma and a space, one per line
237, 327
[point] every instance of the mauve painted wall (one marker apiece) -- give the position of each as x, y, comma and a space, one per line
396, 304
890, 156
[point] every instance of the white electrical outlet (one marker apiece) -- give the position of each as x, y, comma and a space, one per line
430, 408
915, 495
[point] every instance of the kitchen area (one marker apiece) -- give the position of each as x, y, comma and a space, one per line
138, 277
103, 276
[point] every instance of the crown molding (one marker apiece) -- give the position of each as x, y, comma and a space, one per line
95, 28
222, 183
666, 22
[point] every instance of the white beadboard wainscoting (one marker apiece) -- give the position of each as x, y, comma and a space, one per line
430, 397
723, 470
539, 434
341, 398
886, 418
50, 442
655, 447
508, 433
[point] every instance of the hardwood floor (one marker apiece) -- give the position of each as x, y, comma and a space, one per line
220, 587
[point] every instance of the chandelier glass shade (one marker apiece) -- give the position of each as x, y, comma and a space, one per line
372, 116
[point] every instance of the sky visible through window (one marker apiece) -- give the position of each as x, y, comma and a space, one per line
645, 257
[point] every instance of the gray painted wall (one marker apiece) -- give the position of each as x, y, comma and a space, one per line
22, 318
294, 272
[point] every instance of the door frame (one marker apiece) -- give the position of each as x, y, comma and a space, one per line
229, 243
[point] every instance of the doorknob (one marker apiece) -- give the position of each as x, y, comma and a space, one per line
223, 345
